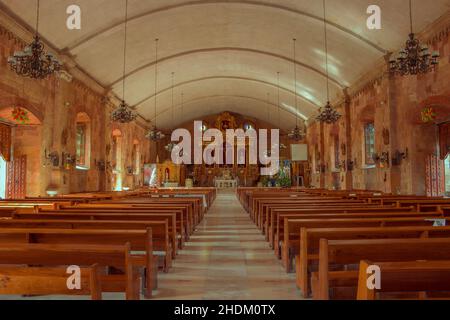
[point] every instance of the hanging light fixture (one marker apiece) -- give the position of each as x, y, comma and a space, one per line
327, 114
296, 134
282, 145
154, 134
123, 113
415, 58
169, 147
33, 61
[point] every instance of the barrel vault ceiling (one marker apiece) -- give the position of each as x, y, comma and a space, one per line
226, 53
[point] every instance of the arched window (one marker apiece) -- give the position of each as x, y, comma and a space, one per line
83, 141
369, 143
117, 159
2, 178
136, 158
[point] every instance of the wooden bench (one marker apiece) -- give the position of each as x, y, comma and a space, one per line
140, 242
112, 216
20, 280
334, 253
160, 231
81, 255
308, 254
425, 279
292, 228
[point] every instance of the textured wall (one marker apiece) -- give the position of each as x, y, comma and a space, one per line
394, 104
56, 102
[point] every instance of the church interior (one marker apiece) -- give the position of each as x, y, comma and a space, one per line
354, 97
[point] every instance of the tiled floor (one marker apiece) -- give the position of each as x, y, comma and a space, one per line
227, 258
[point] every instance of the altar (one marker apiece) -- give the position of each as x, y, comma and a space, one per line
226, 180
224, 184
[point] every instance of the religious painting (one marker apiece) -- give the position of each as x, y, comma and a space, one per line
226, 121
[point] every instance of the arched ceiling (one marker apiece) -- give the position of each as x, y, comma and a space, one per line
226, 53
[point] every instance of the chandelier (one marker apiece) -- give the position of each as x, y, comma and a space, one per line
169, 147
415, 58
296, 134
33, 61
123, 113
154, 134
327, 114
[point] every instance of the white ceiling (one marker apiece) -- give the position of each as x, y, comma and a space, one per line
226, 53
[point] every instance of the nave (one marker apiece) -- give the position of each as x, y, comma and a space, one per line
227, 258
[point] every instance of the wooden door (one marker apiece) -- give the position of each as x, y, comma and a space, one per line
16, 178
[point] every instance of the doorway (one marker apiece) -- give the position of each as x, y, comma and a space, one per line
2, 178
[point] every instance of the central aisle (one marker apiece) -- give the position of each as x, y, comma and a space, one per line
227, 258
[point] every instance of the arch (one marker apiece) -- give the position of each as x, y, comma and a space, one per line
274, 6
226, 78
116, 159
230, 96
11, 102
237, 49
18, 115
440, 104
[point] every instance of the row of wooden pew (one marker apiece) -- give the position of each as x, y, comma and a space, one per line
119, 240
330, 239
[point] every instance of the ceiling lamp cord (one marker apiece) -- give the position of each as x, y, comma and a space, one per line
156, 78
123, 113
327, 114
279, 106
295, 81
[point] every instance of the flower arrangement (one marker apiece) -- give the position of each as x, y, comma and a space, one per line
428, 115
20, 115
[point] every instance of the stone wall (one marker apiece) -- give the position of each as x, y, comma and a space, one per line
56, 103
394, 104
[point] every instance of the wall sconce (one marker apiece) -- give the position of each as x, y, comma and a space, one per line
130, 170
351, 165
399, 157
382, 160
51, 158
100, 164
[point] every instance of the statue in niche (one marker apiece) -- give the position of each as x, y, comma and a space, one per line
167, 175
226, 121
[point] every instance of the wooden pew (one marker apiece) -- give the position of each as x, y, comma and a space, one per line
423, 278
351, 252
113, 216
160, 231
277, 218
292, 226
182, 213
20, 280
81, 255
139, 241
307, 258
